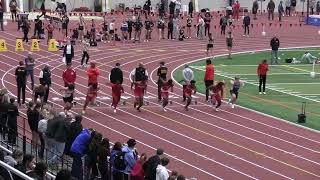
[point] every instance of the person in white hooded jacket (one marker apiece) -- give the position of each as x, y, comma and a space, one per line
162, 172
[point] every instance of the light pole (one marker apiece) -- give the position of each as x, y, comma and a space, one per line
308, 4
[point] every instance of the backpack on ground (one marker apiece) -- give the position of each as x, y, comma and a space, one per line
119, 161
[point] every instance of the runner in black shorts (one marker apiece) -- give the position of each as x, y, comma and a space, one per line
68, 97
229, 40
189, 25
210, 44
234, 90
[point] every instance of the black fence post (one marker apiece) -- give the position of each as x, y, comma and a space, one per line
24, 144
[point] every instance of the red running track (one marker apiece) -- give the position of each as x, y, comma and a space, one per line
231, 144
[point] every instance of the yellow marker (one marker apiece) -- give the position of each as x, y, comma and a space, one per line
19, 45
3, 45
52, 45
35, 45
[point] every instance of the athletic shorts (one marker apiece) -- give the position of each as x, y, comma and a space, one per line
68, 99
234, 92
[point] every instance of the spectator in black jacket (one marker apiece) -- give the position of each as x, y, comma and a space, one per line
275, 44
271, 6
280, 10
74, 130
39, 172
45, 79
60, 134
150, 166
190, 10
33, 114
116, 74
28, 164
170, 29
1, 16
37, 27
246, 24
13, 113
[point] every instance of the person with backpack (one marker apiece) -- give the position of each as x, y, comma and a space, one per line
139, 74
150, 166
130, 157
117, 161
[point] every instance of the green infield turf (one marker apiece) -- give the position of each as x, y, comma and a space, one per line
288, 85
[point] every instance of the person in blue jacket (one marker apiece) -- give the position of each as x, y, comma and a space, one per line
130, 157
78, 149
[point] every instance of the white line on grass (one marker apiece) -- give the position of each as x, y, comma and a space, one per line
274, 89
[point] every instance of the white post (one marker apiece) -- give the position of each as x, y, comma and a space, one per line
7, 5
196, 5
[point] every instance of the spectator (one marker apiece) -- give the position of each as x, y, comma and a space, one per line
312, 5
172, 7
39, 172
246, 24
75, 129
181, 177
293, 6
170, 28
1, 16
3, 171
64, 175
15, 159
178, 8
28, 164
255, 8
209, 77
175, 27
236, 10
271, 6
33, 115
45, 80
50, 28
137, 172
68, 53
223, 24
280, 10
13, 113
92, 156
130, 157
262, 74
207, 21
79, 148
190, 10
274, 43
137, 26
318, 7
29, 62
60, 137
13, 9
65, 22
151, 165
162, 172
69, 76
37, 28
116, 173
200, 26
42, 128
25, 28
103, 154
173, 175
229, 41
288, 7
21, 78
116, 74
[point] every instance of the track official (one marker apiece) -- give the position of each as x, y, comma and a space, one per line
21, 78
116, 74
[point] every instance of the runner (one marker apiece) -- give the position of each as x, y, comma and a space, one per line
68, 97
93, 74
105, 32
191, 87
117, 90
189, 25
234, 90
148, 27
81, 28
111, 31
124, 30
140, 88
216, 91
166, 85
229, 40
85, 53
161, 28
210, 45
91, 96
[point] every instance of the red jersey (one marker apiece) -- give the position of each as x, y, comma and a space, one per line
165, 89
188, 90
93, 74
216, 90
117, 89
139, 89
69, 76
209, 75
262, 69
236, 6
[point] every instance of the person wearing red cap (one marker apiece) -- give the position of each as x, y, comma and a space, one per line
262, 74
69, 76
